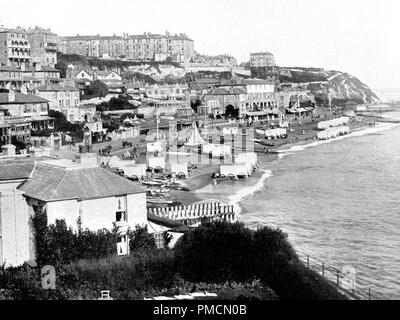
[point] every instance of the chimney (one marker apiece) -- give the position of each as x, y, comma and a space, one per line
11, 95
38, 67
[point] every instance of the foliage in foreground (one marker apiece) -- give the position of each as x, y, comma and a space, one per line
58, 244
225, 251
235, 262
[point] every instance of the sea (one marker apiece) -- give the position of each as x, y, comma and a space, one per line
338, 201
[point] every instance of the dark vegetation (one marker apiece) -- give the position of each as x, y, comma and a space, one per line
61, 124
229, 259
119, 103
97, 89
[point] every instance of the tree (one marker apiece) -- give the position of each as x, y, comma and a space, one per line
230, 110
140, 240
63, 125
97, 89
222, 251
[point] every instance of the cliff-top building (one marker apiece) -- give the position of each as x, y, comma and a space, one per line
44, 45
262, 59
144, 47
15, 49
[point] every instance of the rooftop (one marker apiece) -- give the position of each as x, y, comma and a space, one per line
56, 87
16, 171
261, 53
21, 98
52, 181
9, 68
42, 69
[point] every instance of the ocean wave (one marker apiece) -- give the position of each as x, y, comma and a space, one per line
243, 193
382, 126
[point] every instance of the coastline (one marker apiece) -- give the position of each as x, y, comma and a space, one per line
242, 190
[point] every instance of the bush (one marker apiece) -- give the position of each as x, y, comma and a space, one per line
140, 240
58, 244
63, 125
216, 252
220, 251
97, 89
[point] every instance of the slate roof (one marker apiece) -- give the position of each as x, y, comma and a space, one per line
21, 98
56, 87
52, 183
9, 68
42, 69
15, 171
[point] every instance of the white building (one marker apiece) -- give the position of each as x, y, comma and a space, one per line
262, 59
63, 189
106, 75
60, 96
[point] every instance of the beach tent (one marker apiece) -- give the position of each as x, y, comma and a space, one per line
156, 163
236, 170
195, 139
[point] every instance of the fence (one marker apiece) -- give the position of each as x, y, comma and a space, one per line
358, 290
193, 214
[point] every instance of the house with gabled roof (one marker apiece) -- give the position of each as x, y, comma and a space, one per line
64, 189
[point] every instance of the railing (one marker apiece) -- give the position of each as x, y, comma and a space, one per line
359, 290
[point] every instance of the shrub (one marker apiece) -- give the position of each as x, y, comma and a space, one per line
140, 240
216, 252
97, 89
219, 251
58, 244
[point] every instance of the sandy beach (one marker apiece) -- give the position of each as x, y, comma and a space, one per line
303, 137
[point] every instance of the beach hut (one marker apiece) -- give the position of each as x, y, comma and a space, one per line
275, 133
235, 170
135, 170
250, 158
156, 163
178, 169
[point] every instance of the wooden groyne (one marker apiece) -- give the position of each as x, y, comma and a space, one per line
192, 215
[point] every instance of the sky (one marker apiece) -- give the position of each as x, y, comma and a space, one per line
360, 37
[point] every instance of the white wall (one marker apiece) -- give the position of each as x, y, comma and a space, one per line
67, 210
137, 210
99, 213
14, 226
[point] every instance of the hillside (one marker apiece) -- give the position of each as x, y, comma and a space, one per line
341, 86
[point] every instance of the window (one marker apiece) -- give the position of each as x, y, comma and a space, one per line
159, 239
120, 216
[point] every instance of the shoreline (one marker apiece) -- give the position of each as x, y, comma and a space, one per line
243, 192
